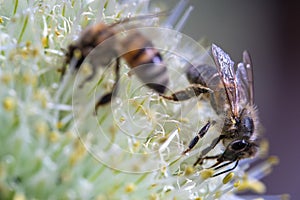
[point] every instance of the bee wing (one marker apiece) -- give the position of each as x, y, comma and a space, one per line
248, 64
226, 71
244, 79
242, 84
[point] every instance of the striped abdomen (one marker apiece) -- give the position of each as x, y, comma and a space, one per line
146, 61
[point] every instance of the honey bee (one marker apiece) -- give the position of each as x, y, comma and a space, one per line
234, 96
140, 55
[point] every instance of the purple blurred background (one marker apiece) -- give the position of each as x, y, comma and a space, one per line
270, 30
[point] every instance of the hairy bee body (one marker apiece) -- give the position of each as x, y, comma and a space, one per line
232, 97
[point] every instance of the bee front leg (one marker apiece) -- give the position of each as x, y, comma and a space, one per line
193, 90
108, 96
200, 134
206, 150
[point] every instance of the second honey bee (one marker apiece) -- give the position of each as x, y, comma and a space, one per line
135, 48
233, 96
140, 52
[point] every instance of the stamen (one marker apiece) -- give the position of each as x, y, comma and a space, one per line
207, 173
228, 178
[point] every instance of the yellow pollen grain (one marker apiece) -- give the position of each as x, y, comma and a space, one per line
122, 119
29, 79
54, 136
236, 184
163, 169
69, 134
263, 148
207, 173
153, 197
184, 120
73, 159
24, 53
41, 128
19, 196
273, 160
80, 148
129, 188
255, 186
35, 52
153, 185
101, 197
77, 54
78, 153
189, 170
136, 144
40, 96
28, 44
218, 194
9, 103
59, 125
1, 20
57, 33
198, 198
6, 78
45, 41
228, 177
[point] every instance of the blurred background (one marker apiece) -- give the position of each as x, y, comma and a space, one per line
270, 30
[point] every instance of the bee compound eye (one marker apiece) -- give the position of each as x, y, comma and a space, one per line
239, 145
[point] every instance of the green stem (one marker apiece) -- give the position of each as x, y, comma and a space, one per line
97, 174
63, 10
16, 6
23, 29
141, 178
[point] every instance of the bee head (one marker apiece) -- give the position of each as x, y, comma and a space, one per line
239, 149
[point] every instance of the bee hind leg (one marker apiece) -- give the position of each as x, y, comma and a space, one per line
193, 90
106, 98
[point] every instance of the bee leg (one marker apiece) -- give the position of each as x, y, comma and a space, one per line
228, 170
193, 90
90, 77
62, 71
201, 159
205, 151
200, 134
108, 96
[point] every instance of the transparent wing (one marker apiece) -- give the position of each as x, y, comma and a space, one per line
226, 71
242, 85
244, 80
248, 64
